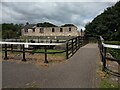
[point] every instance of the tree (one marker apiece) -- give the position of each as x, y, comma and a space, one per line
106, 23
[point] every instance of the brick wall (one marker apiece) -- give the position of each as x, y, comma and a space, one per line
47, 31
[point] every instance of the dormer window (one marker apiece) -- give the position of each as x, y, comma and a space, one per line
69, 29
53, 30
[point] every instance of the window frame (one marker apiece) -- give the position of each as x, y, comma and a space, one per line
33, 29
70, 29
61, 29
26, 30
53, 29
41, 30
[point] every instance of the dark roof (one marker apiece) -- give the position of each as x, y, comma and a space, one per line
46, 24
68, 25
29, 26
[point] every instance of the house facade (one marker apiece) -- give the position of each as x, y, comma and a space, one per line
35, 30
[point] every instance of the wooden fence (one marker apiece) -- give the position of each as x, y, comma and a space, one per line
103, 51
72, 46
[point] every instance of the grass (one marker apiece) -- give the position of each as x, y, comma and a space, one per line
105, 81
105, 77
49, 50
114, 52
112, 42
52, 50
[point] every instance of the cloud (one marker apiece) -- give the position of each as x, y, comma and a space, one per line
60, 0
59, 13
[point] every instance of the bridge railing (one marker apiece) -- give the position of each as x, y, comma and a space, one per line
103, 51
72, 46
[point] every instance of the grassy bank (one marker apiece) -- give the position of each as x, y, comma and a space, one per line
105, 80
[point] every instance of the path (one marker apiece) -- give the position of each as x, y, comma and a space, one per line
78, 72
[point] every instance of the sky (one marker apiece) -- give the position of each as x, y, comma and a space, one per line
58, 12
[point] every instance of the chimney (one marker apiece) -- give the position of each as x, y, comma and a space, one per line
27, 23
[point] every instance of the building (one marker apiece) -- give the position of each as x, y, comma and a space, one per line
48, 29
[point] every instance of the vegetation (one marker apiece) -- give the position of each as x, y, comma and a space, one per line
105, 79
11, 30
49, 50
115, 52
106, 83
106, 24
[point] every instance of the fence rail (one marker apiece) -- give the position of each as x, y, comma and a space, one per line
103, 50
72, 46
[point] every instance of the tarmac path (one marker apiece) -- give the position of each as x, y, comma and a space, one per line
78, 72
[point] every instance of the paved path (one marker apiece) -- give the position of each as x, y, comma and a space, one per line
78, 72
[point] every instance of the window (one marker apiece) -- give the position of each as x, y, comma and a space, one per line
26, 30
41, 30
53, 30
69, 29
33, 29
61, 29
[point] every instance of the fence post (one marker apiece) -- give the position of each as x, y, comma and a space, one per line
72, 47
12, 48
76, 43
82, 42
23, 53
104, 59
5, 52
67, 50
45, 55
119, 73
102, 52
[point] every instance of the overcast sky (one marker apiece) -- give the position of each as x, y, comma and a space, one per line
59, 13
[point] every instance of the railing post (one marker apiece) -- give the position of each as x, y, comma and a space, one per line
67, 50
45, 55
76, 43
102, 53
72, 47
104, 59
23, 53
12, 48
119, 73
82, 42
5, 52
57, 41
